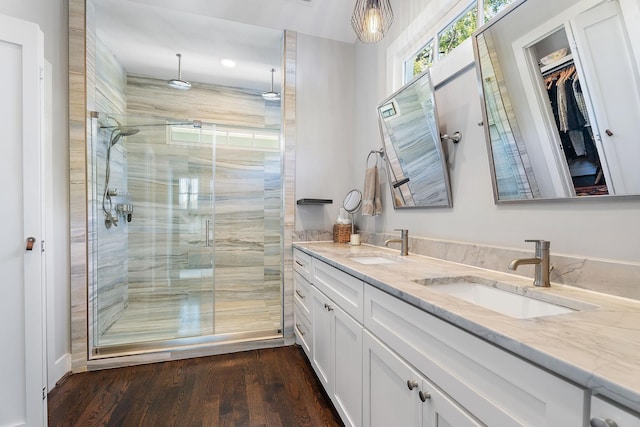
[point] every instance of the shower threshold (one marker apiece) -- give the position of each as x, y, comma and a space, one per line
184, 344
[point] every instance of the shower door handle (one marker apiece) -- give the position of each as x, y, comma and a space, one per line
206, 232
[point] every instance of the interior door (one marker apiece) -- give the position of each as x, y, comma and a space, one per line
602, 41
22, 388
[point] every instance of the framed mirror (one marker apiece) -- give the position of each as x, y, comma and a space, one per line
561, 99
416, 164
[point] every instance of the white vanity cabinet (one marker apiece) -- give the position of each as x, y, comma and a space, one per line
332, 301
496, 387
395, 394
606, 414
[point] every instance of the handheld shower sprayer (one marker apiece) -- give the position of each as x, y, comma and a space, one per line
117, 133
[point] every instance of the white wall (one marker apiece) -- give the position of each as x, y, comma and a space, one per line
324, 121
592, 228
52, 15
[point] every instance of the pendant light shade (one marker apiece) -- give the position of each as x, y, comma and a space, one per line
372, 19
271, 95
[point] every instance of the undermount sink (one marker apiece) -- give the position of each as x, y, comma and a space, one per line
504, 298
371, 258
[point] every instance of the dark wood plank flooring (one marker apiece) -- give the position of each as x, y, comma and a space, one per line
269, 387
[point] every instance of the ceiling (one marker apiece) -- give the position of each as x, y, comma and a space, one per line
145, 35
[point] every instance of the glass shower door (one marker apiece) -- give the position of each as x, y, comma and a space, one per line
153, 266
185, 234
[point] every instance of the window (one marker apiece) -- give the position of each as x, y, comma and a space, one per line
458, 31
418, 62
493, 7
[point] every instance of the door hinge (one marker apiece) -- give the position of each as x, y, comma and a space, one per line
41, 73
42, 246
44, 393
573, 45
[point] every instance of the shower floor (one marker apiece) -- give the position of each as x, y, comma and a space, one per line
170, 315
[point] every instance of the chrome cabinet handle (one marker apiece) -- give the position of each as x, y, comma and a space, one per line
300, 294
424, 395
299, 329
412, 384
602, 422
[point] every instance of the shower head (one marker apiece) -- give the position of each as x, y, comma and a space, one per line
121, 131
128, 130
179, 83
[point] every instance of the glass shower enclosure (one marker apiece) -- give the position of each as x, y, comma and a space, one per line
185, 234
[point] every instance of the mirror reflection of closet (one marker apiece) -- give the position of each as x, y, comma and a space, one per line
564, 88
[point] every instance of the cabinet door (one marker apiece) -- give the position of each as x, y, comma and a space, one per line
440, 411
302, 330
321, 333
387, 399
347, 363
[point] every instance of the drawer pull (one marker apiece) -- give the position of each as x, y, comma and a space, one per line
412, 384
328, 307
299, 329
299, 263
424, 395
603, 422
300, 294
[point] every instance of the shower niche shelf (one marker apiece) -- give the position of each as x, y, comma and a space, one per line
314, 201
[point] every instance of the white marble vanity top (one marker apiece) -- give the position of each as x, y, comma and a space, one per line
597, 346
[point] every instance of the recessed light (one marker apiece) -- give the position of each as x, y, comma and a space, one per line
230, 63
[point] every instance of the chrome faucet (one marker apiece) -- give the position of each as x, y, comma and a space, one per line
541, 261
403, 240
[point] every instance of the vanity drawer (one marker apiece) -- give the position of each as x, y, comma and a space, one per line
302, 264
302, 329
344, 290
302, 293
498, 388
602, 410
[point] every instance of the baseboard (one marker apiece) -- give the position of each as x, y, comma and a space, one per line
58, 370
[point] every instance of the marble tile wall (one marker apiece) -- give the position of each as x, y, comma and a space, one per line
107, 246
82, 99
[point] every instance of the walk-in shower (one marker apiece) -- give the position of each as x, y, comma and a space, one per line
185, 234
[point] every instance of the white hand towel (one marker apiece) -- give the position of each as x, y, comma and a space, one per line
371, 203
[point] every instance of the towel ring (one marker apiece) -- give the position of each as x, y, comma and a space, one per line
375, 152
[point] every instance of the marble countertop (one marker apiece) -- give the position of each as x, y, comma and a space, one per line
597, 346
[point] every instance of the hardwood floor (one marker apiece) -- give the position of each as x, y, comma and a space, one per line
268, 387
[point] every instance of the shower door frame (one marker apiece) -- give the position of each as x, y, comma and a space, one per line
97, 352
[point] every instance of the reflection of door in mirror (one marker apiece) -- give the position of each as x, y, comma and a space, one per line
594, 105
602, 41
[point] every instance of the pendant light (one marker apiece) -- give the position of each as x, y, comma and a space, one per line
372, 19
179, 83
271, 95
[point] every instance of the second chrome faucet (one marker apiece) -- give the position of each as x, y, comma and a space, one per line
541, 261
403, 240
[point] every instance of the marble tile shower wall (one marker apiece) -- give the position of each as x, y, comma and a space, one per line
247, 202
108, 246
82, 99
